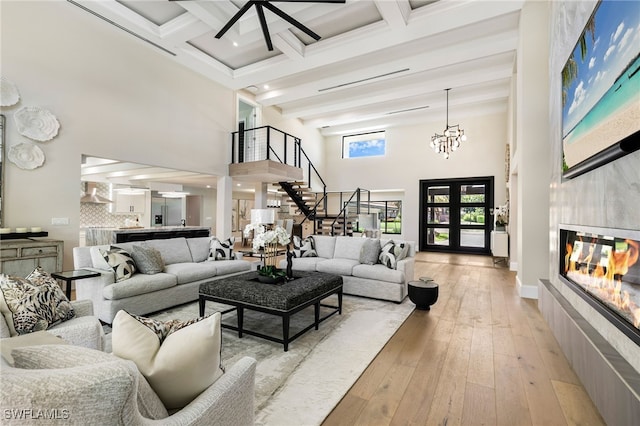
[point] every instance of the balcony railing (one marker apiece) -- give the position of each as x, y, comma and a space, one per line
269, 143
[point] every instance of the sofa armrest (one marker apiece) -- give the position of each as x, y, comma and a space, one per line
407, 266
227, 402
83, 308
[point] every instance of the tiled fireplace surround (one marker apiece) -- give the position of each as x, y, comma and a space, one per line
605, 359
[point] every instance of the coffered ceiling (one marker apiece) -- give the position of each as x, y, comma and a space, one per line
378, 63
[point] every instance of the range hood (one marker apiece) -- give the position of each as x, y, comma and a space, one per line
91, 196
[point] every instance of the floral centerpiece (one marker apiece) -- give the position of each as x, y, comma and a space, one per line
502, 216
268, 241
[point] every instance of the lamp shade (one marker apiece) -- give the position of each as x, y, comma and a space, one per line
263, 216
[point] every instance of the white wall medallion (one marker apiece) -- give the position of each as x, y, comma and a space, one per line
9, 94
36, 123
26, 156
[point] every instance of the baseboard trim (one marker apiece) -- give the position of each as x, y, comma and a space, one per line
526, 291
513, 266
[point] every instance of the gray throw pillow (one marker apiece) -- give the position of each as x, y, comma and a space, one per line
370, 251
147, 259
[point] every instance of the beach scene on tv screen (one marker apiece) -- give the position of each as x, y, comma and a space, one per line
601, 82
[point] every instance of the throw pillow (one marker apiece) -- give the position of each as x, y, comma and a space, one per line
147, 259
221, 250
392, 252
34, 303
370, 252
304, 248
180, 360
120, 261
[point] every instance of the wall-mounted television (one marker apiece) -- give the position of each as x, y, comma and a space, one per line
601, 89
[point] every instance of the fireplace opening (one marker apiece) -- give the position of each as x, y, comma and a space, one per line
602, 267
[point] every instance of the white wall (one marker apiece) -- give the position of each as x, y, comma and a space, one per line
606, 197
114, 98
533, 148
409, 159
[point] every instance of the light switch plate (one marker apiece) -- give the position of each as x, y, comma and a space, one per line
59, 220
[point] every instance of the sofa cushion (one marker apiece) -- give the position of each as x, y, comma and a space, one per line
303, 263
392, 252
120, 261
189, 272
325, 245
225, 267
379, 273
303, 247
348, 248
148, 260
173, 250
199, 248
370, 251
221, 250
337, 266
180, 360
97, 259
33, 303
69, 356
139, 284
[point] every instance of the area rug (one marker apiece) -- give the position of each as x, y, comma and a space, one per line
301, 386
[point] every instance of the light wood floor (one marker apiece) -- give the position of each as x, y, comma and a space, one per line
480, 356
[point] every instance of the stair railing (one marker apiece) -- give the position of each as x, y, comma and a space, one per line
345, 208
269, 143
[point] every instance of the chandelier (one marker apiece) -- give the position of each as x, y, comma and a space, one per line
450, 140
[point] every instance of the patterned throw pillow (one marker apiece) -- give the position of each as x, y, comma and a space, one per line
120, 261
34, 303
147, 259
180, 360
392, 252
221, 250
304, 248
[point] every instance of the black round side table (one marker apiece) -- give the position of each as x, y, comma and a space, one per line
423, 294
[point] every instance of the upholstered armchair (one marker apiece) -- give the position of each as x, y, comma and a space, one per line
83, 330
111, 391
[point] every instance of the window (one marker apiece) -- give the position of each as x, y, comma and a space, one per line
383, 215
364, 145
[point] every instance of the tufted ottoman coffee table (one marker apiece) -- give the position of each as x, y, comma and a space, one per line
244, 291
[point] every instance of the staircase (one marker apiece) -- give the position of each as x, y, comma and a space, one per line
312, 205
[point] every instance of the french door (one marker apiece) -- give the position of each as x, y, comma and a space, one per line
455, 215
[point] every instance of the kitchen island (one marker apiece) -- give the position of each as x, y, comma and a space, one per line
101, 236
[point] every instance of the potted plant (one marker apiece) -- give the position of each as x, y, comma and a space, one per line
268, 241
502, 217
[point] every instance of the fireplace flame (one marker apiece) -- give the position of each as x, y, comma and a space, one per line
606, 284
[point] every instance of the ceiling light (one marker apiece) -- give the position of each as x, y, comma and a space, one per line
235, 44
450, 139
266, 86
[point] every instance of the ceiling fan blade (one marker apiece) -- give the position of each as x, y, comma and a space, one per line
263, 24
235, 18
292, 21
310, 1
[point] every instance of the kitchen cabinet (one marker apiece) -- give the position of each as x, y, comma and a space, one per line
130, 203
20, 257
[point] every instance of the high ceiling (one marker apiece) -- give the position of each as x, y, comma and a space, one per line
379, 63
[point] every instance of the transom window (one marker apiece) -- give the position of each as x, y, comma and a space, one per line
364, 145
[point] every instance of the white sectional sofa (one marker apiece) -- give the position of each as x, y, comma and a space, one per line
186, 267
341, 255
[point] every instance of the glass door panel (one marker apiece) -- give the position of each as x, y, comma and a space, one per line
454, 215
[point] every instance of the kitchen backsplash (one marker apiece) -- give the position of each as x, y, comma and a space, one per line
98, 215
